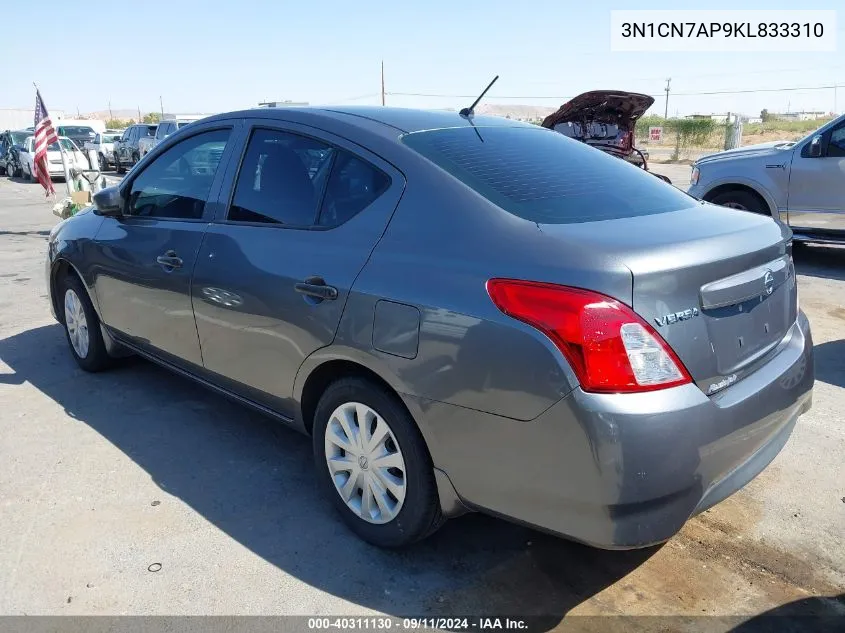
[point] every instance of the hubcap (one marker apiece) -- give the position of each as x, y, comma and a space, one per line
76, 323
365, 462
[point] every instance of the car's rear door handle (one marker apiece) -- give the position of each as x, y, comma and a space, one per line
169, 260
316, 287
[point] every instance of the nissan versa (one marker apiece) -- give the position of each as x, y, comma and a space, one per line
465, 313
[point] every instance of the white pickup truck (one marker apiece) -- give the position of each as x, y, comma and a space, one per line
103, 144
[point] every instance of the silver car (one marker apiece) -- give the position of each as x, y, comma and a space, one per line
465, 313
801, 183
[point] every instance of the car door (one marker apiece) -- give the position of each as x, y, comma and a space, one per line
142, 269
277, 264
817, 184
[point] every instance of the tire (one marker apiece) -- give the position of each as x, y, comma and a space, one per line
27, 175
81, 320
135, 158
117, 166
741, 199
103, 163
395, 523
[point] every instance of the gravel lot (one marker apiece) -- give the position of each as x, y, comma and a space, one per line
104, 478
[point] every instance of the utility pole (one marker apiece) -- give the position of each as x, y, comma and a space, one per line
161, 103
382, 82
139, 115
666, 109
111, 116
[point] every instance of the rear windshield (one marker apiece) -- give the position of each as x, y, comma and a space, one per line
544, 177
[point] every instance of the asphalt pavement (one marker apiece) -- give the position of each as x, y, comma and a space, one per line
138, 492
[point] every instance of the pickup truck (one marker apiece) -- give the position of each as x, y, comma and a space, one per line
799, 183
126, 151
166, 127
103, 144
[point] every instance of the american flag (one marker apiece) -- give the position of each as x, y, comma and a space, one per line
45, 136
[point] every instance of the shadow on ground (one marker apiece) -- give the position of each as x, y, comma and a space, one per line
817, 613
826, 262
252, 479
830, 362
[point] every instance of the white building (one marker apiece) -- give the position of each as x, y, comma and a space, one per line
18, 119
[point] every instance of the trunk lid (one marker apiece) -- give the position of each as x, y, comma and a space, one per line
717, 284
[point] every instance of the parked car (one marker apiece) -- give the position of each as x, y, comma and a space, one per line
165, 128
802, 184
606, 120
11, 142
79, 134
55, 167
464, 312
126, 151
103, 144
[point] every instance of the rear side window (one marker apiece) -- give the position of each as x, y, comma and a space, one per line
544, 177
298, 181
353, 185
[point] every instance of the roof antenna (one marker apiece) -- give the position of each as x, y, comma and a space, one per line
471, 110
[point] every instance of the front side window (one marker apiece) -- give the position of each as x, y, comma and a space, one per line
176, 184
280, 179
836, 146
148, 131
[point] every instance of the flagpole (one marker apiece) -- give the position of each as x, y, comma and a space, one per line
65, 167
61, 153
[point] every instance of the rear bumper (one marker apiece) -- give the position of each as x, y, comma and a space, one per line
625, 470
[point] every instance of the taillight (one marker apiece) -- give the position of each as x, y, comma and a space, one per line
610, 348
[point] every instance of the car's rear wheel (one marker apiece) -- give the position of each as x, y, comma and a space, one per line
117, 166
82, 326
741, 199
373, 462
104, 164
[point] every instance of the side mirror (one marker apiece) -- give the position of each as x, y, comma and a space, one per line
108, 202
816, 146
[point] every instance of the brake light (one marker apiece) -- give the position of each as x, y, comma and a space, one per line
610, 348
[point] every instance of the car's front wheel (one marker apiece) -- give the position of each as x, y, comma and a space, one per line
104, 164
82, 326
373, 462
117, 166
741, 199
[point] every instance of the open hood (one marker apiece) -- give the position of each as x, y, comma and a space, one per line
602, 106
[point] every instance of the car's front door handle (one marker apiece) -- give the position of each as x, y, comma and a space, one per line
169, 260
317, 288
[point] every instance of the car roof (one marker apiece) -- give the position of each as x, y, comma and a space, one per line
404, 120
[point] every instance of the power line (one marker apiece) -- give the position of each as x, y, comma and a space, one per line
677, 94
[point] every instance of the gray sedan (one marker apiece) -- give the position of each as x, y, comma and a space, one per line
465, 313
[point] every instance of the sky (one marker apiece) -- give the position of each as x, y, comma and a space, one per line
215, 56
